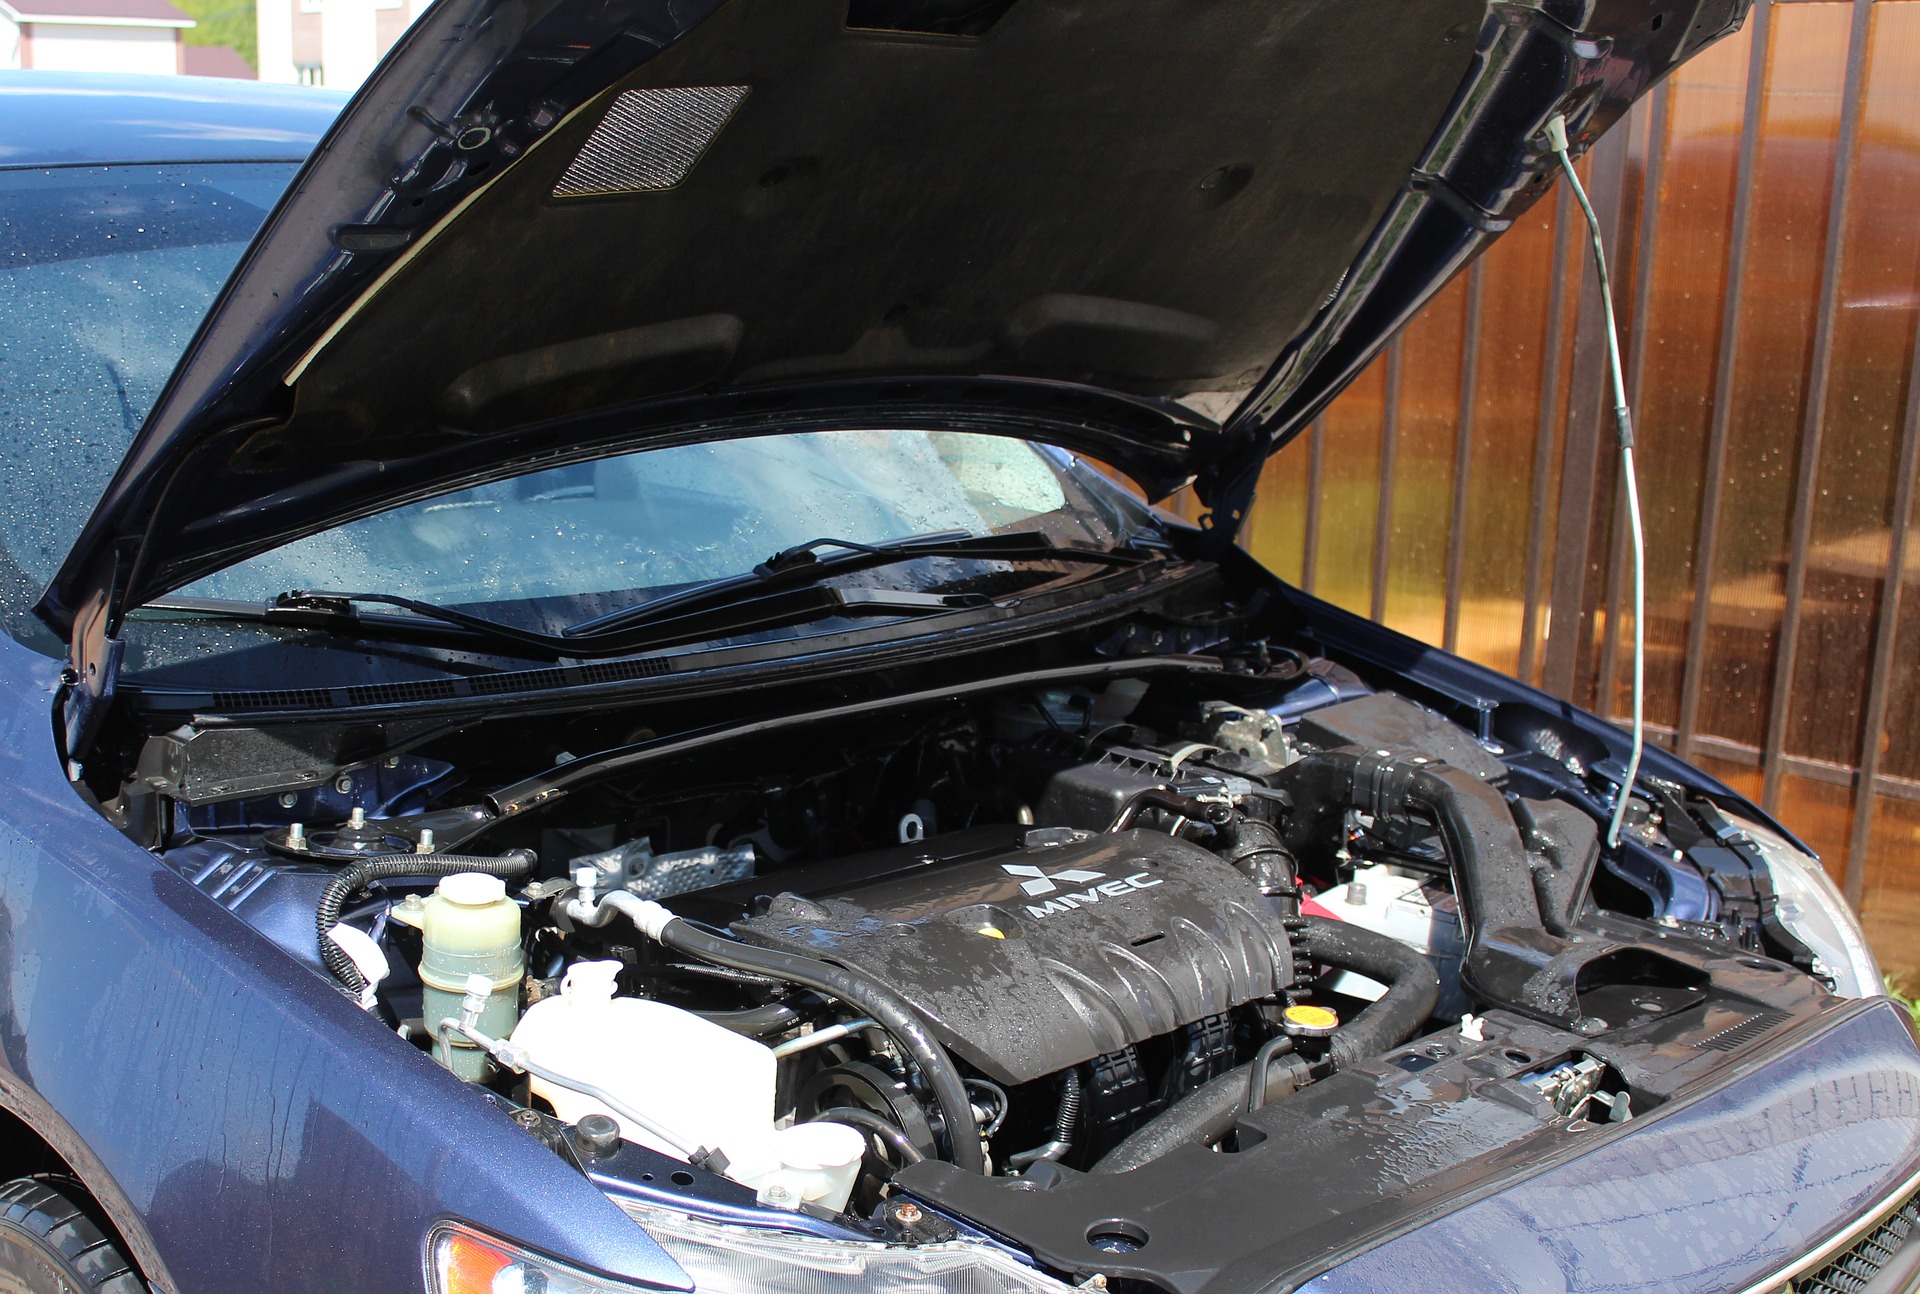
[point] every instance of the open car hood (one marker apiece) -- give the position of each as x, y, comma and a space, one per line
1162, 234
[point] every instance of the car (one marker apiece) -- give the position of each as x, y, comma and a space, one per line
594, 699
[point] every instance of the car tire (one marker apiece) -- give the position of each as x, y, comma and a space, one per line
50, 1242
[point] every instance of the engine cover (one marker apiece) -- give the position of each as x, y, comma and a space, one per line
1045, 953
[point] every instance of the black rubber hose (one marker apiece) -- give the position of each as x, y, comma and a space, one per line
864, 994
1257, 1069
755, 1021
1207, 1114
868, 1121
1203, 1116
392, 867
1413, 986
1254, 849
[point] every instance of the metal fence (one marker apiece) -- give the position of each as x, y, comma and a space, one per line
1762, 210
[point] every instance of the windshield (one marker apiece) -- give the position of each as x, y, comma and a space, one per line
664, 518
105, 272
556, 547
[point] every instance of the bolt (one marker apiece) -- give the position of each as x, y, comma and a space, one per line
297, 836
343, 784
597, 1134
425, 844
907, 1214
527, 1118
357, 819
288, 799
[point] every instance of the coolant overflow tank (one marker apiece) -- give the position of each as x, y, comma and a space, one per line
709, 1086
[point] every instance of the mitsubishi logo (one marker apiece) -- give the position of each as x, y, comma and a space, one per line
1044, 884
1040, 884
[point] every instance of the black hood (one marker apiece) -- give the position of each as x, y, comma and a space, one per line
1159, 232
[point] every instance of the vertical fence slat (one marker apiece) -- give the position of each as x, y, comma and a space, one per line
1713, 487
1389, 447
1587, 402
1563, 235
1787, 655
1886, 636
1463, 455
1316, 464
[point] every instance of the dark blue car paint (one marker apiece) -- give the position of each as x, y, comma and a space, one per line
1715, 1196
247, 1127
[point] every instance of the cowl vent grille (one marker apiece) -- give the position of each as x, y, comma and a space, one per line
443, 689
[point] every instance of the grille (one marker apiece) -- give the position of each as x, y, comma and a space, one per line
526, 680
1854, 1268
649, 140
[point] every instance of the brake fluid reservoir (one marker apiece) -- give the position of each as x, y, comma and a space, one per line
469, 926
708, 1086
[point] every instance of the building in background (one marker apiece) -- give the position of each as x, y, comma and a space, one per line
215, 60
93, 35
334, 43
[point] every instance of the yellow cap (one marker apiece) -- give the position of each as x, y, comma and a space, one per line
991, 933
1303, 1020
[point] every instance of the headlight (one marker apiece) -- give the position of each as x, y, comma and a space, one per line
463, 1261
748, 1260
1810, 905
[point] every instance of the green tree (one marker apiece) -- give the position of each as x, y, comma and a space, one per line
224, 22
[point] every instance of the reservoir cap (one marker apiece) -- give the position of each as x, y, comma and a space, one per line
471, 889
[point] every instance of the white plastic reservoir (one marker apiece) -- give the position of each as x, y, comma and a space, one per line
706, 1084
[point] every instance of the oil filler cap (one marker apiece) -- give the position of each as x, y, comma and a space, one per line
1304, 1021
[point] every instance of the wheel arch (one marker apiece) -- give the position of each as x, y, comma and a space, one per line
35, 1139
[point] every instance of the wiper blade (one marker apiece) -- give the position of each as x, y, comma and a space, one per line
785, 590
802, 567
337, 612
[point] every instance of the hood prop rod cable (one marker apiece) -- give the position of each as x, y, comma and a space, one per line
1623, 419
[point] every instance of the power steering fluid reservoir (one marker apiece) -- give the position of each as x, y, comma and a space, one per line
469, 926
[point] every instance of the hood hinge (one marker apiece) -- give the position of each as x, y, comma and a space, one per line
1227, 489
93, 666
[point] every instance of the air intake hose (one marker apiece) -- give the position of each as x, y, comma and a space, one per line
1209, 1113
1511, 956
393, 867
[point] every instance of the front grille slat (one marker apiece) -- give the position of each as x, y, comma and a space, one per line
1853, 1269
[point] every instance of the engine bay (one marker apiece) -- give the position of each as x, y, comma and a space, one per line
1083, 961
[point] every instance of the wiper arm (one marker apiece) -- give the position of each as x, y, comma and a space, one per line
337, 613
802, 567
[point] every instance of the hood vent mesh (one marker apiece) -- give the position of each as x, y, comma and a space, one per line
650, 140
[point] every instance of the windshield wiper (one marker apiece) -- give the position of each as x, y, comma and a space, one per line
785, 590
802, 567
